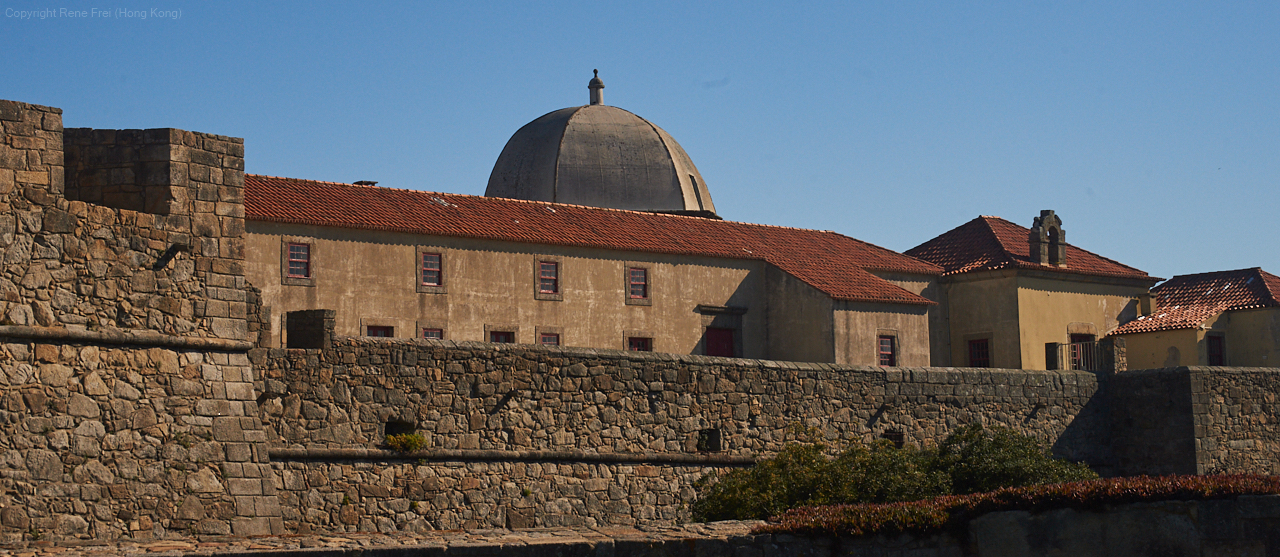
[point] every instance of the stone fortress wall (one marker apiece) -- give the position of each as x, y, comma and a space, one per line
134, 401
128, 403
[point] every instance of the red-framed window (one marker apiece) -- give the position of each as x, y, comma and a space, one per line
548, 277
432, 273
640, 344
638, 281
1216, 350
508, 337
299, 261
887, 349
549, 339
980, 353
379, 331
433, 333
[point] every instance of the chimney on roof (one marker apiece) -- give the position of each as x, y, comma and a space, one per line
1048, 240
366, 183
1148, 304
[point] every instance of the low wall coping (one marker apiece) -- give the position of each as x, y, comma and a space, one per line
132, 338
462, 455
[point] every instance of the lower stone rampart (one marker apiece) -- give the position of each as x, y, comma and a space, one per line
105, 440
491, 397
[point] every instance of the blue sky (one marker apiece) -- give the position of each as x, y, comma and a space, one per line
1152, 129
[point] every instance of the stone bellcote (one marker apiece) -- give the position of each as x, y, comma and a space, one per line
1048, 240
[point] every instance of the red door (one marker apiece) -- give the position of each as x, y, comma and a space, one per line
720, 342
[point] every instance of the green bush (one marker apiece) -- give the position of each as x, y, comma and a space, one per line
970, 460
406, 442
979, 460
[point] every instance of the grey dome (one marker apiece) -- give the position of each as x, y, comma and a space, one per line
601, 156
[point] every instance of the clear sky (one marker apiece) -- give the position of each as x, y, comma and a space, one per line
1151, 128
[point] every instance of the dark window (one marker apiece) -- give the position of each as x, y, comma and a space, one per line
399, 428
638, 279
887, 348
508, 337
720, 342
640, 344
980, 353
433, 333
548, 277
379, 331
896, 437
709, 440
549, 339
432, 275
1216, 346
299, 260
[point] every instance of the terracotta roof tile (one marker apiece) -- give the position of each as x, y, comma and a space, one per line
833, 263
990, 243
1186, 301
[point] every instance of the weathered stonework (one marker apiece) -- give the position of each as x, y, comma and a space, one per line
128, 406
481, 397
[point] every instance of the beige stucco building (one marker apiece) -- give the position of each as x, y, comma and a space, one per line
1226, 318
639, 260
1009, 295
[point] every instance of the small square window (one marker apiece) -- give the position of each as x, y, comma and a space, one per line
437, 334
549, 339
548, 277
432, 272
379, 331
508, 337
887, 349
638, 283
299, 261
640, 344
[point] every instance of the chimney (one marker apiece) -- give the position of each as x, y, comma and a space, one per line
1148, 304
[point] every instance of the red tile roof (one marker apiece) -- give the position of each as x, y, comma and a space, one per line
1186, 301
833, 263
991, 243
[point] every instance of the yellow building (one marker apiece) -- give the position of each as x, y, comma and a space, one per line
596, 230
410, 264
1226, 318
1013, 297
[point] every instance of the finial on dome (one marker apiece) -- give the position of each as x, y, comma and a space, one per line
595, 85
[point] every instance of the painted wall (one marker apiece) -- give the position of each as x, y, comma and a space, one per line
858, 328
1050, 310
1163, 348
1252, 337
800, 320
371, 278
984, 306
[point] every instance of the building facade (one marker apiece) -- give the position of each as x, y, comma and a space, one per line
1225, 318
1013, 297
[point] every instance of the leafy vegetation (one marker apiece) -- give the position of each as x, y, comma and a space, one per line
972, 459
936, 514
406, 442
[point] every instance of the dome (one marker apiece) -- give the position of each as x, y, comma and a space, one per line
600, 156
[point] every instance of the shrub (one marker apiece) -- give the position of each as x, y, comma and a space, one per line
980, 460
406, 442
969, 460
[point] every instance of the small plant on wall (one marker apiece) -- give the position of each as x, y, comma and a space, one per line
406, 442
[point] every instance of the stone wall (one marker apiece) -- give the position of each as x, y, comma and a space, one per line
127, 403
509, 414
1236, 419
